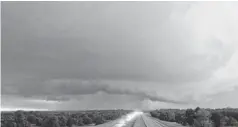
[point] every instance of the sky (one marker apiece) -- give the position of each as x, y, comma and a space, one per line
119, 55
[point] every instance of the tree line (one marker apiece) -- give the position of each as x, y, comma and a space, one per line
199, 117
58, 119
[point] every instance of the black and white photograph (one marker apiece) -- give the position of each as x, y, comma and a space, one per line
119, 63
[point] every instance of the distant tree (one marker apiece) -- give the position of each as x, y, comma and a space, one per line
87, 120
216, 118
184, 122
227, 119
38, 114
178, 118
189, 116
171, 116
196, 123
163, 116
99, 120
70, 122
20, 119
154, 114
224, 121
51, 121
80, 122
196, 109
19, 116
62, 120
232, 121
203, 116
202, 113
31, 119
39, 121
10, 124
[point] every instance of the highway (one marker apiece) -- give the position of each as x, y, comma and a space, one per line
139, 120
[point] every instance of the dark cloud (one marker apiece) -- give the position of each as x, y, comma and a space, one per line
46, 44
75, 41
63, 90
94, 101
143, 95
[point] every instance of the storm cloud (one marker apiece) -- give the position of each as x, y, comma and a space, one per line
63, 90
179, 51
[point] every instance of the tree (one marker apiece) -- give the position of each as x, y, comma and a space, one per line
80, 122
196, 123
203, 116
189, 116
62, 121
51, 121
154, 114
233, 121
19, 116
87, 120
178, 118
171, 116
224, 121
10, 123
39, 121
196, 109
31, 119
20, 119
99, 120
163, 116
70, 122
216, 118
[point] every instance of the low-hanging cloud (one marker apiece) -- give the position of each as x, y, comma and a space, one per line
142, 94
64, 90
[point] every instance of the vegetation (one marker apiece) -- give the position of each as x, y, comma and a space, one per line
199, 117
58, 119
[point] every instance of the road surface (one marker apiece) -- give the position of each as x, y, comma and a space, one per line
140, 120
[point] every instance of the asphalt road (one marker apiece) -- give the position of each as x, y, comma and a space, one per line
141, 120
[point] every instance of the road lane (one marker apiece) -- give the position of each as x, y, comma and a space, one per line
159, 123
131, 123
141, 120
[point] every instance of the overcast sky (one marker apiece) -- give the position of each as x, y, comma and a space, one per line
101, 55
